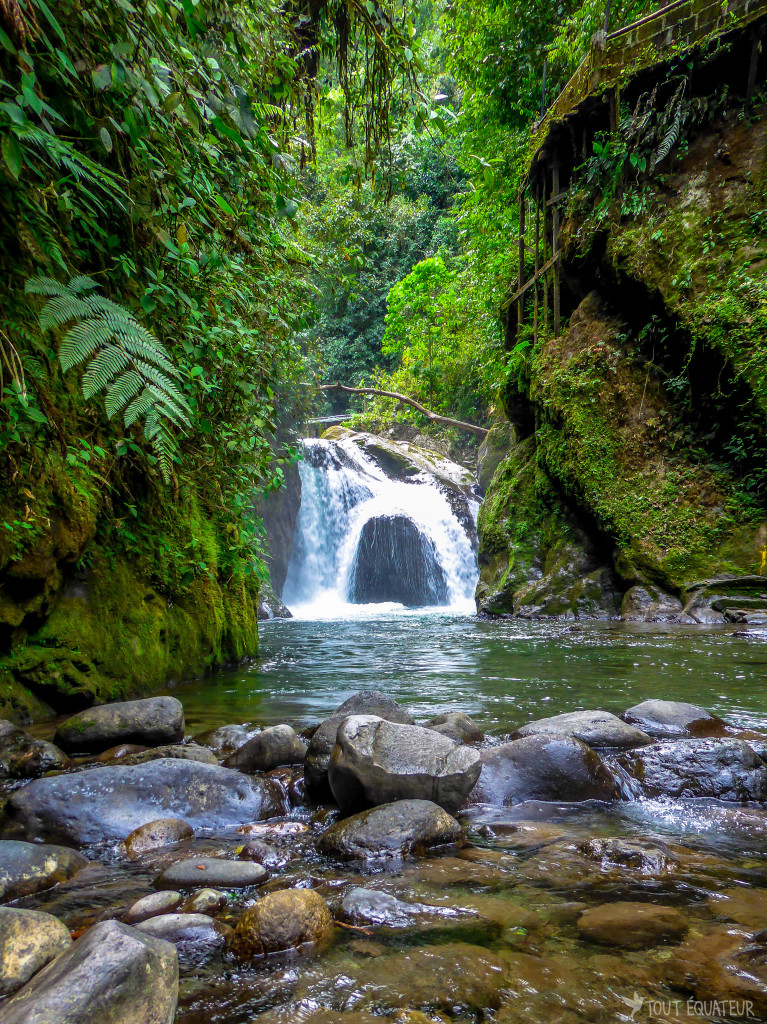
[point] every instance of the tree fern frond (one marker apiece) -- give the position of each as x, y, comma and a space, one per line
81, 342
124, 359
103, 368
122, 390
60, 310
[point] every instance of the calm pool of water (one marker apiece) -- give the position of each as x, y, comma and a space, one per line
504, 673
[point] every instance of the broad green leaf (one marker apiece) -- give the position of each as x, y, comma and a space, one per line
223, 205
106, 140
12, 154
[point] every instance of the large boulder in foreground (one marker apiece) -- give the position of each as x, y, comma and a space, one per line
28, 941
283, 920
26, 868
599, 729
375, 762
725, 769
392, 830
673, 719
549, 768
112, 975
106, 804
151, 722
368, 702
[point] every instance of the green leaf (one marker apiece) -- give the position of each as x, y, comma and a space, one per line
223, 205
12, 155
102, 77
106, 140
6, 43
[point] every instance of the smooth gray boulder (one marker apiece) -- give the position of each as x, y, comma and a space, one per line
205, 901
151, 722
106, 804
153, 905
262, 853
456, 726
725, 769
26, 868
182, 928
550, 768
392, 830
599, 729
673, 719
367, 702
182, 751
211, 871
28, 941
269, 749
113, 974
25, 757
375, 762
224, 740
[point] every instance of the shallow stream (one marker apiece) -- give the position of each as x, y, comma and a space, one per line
500, 941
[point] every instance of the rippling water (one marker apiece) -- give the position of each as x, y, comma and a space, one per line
504, 673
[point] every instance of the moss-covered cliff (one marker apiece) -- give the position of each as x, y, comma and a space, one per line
644, 469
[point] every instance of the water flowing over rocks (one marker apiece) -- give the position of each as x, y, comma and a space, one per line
106, 804
396, 562
543, 768
598, 729
376, 762
28, 941
26, 868
632, 925
391, 830
726, 769
112, 975
151, 722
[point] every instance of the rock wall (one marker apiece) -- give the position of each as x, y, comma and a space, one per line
638, 470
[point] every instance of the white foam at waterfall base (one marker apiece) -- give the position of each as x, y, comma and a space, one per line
342, 488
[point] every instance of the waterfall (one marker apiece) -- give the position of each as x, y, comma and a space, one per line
367, 544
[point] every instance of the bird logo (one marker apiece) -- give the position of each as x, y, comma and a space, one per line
635, 1003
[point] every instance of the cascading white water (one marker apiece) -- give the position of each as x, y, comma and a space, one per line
342, 490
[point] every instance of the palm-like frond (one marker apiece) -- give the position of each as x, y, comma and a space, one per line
124, 360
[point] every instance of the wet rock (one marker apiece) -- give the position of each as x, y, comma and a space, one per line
496, 445
648, 604
746, 906
205, 901
558, 990
725, 968
157, 834
644, 857
631, 925
262, 853
594, 728
671, 719
396, 561
28, 941
442, 873
375, 762
368, 702
226, 739
150, 722
24, 757
198, 929
211, 871
456, 726
281, 921
26, 868
120, 751
112, 975
615, 866
269, 749
543, 768
521, 835
391, 830
369, 906
153, 905
726, 769
106, 804
182, 751
307, 1012
455, 977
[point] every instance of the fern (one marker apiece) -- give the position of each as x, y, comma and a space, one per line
125, 361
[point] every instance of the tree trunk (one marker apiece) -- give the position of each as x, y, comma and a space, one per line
433, 417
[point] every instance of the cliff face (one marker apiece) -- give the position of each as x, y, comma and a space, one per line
644, 478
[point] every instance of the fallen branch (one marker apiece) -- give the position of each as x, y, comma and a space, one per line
433, 417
